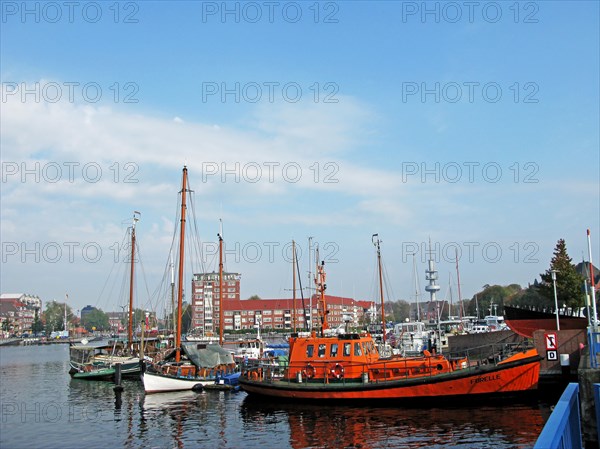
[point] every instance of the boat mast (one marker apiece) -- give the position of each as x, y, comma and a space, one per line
220, 235
460, 304
416, 286
592, 283
172, 323
180, 274
310, 279
376, 242
321, 286
131, 270
66, 330
294, 284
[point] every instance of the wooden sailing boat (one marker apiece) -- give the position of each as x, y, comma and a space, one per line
205, 362
348, 367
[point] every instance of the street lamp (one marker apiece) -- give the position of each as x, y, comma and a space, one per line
555, 297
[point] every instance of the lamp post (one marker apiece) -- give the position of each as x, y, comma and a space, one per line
555, 298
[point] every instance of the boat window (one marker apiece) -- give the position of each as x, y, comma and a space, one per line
333, 352
366, 348
322, 348
347, 347
310, 350
357, 350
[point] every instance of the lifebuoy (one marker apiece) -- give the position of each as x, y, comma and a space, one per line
309, 371
337, 371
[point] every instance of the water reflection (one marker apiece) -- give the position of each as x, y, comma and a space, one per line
338, 426
44, 408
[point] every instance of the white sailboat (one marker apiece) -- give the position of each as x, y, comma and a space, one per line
205, 361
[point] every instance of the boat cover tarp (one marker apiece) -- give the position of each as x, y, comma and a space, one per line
207, 355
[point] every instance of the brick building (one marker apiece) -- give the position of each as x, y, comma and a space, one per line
206, 298
278, 314
17, 312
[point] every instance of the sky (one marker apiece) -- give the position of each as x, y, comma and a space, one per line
470, 125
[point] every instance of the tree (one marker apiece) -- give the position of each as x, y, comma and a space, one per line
139, 316
491, 294
254, 297
37, 325
55, 316
397, 310
95, 320
186, 318
568, 281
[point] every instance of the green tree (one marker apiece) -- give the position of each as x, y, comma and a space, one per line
490, 300
37, 325
186, 318
254, 297
95, 319
139, 316
568, 281
397, 310
54, 316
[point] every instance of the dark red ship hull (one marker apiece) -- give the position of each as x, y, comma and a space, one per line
525, 322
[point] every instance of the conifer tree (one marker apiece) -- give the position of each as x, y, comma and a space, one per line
568, 281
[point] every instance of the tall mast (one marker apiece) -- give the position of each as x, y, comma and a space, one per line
321, 286
376, 242
66, 329
220, 235
131, 270
592, 283
180, 274
416, 286
310, 323
460, 303
173, 327
294, 284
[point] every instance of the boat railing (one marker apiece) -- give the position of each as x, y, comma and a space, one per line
491, 353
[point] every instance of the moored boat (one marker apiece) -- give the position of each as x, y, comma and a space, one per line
349, 367
97, 362
525, 321
192, 364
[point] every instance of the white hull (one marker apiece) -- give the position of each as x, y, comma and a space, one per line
157, 383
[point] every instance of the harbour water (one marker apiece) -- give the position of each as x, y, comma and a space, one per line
42, 407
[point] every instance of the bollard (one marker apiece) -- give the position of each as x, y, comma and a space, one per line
565, 366
118, 387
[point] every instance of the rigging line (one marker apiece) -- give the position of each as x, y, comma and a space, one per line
191, 232
386, 281
139, 254
199, 258
301, 292
111, 270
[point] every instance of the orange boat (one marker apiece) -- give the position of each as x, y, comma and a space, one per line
349, 367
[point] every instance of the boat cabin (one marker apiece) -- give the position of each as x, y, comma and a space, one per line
354, 356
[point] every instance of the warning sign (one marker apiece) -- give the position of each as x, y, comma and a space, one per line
551, 343
552, 355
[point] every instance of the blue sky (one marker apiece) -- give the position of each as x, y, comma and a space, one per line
474, 125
